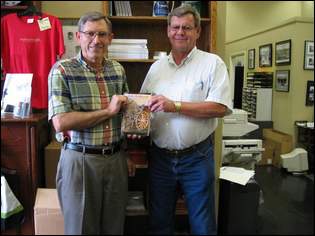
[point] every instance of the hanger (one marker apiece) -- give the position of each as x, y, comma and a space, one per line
31, 10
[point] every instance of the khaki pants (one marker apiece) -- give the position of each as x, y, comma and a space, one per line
92, 191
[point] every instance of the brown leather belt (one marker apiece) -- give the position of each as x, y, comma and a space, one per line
106, 150
185, 150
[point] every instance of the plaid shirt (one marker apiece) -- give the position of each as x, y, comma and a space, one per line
74, 86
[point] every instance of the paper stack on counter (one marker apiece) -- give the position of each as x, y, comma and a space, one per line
236, 174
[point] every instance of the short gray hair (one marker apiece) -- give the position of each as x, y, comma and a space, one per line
182, 10
93, 16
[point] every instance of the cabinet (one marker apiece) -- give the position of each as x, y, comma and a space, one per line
22, 150
141, 25
305, 139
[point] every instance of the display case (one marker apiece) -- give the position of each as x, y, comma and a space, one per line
22, 150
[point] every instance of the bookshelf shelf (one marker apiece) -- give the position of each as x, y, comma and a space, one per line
13, 8
137, 213
138, 166
145, 19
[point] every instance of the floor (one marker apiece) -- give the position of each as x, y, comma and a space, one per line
286, 206
288, 202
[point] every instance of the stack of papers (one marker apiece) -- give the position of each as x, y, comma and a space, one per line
236, 174
128, 49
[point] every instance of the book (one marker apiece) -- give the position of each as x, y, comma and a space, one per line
128, 8
16, 96
137, 115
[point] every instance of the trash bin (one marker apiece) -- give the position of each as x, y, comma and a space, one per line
238, 207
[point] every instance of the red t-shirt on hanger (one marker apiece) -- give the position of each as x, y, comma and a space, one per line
27, 49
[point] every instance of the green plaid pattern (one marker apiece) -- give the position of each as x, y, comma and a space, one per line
74, 86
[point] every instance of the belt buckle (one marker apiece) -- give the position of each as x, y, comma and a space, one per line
111, 151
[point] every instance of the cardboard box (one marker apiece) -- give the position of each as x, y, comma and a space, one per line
52, 154
267, 155
48, 217
280, 143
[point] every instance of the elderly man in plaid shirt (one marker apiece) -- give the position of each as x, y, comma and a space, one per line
85, 99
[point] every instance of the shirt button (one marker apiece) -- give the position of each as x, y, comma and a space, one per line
103, 92
106, 126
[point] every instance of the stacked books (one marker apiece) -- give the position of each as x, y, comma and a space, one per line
128, 49
122, 8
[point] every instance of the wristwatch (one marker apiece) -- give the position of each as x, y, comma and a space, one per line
178, 106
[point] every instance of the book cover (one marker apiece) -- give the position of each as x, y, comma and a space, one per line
137, 115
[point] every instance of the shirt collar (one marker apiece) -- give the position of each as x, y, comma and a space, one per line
186, 60
79, 57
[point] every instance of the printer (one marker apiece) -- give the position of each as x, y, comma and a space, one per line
235, 150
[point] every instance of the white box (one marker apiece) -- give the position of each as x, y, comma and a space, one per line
48, 217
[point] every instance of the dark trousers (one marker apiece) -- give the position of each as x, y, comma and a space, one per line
194, 172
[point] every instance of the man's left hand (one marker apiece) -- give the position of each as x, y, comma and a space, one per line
161, 103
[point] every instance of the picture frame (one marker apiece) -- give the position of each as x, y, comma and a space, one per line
283, 53
71, 45
251, 59
283, 80
265, 55
309, 55
309, 101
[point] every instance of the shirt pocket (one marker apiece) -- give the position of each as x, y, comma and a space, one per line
86, 104
194, 91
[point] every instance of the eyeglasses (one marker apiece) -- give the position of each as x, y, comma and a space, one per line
185, 28
92, 35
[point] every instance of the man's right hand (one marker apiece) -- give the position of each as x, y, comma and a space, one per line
116, 103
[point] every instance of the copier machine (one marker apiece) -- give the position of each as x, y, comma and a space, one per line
238, 204
235, 150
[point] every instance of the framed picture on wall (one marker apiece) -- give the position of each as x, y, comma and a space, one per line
309, 55
283, 80
265, 55
283, 53
251, 58
309, 93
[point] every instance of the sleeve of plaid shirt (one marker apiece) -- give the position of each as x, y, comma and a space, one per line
58, 92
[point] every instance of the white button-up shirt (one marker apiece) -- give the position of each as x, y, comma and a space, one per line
201, 76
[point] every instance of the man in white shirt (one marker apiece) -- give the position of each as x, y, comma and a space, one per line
192, 89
